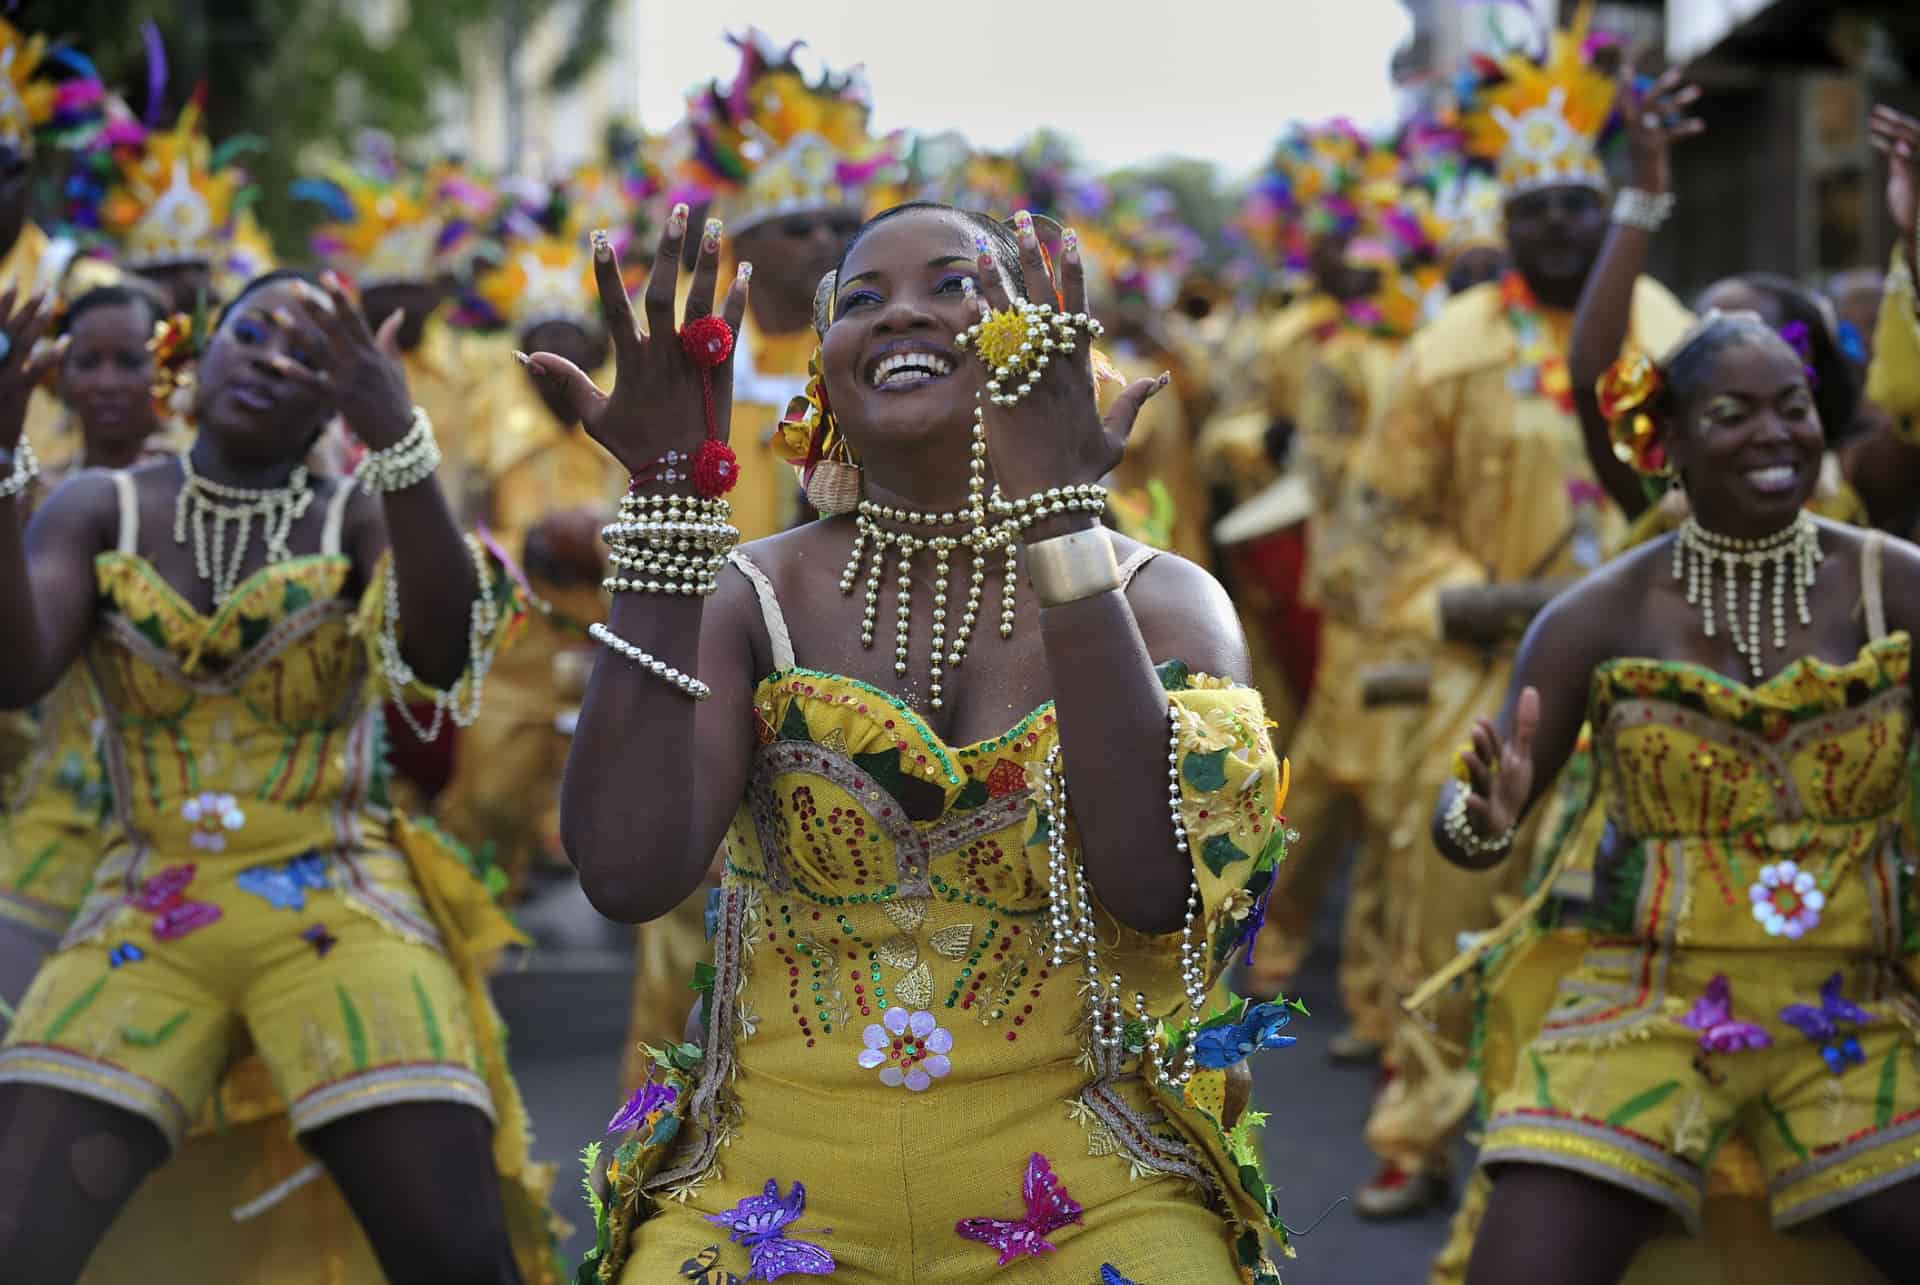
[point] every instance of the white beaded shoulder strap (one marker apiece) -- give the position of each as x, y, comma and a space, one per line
770, 613
336, 516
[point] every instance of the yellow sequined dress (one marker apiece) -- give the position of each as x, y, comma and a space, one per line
257, 894
885, 1025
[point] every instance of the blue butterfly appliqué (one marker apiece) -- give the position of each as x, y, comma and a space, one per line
760, 1223
285, 885
1110, 1277
125, 953
1838, 1049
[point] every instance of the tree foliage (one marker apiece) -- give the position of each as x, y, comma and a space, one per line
300, 73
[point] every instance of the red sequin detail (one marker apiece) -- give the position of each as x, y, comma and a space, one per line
715, 468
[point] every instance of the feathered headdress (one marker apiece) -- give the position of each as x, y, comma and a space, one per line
173, 197
385, 223
774, 143
28, 101
1541, 119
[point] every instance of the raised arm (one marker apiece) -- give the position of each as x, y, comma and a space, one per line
1515, 758
654, 776
1654, 119
46, 567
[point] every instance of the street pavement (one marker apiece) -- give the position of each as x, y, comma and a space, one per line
567, 1009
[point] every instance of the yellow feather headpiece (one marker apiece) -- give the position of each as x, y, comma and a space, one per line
26, 103
1541, 122
170, 205
541, 279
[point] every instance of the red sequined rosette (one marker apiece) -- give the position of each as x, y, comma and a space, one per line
1625, 391
708, 341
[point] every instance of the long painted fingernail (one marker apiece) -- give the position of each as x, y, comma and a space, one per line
982, 247
332, 280
710, 237
522, 358
1023, 224
1166, 377
677, 221
968, 288
281, 318
602, 245
745, 272
1069, 243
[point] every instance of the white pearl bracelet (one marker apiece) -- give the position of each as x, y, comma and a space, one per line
408, 462
26, 467
1637, 209
687, 683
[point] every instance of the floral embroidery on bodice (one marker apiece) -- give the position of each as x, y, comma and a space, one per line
1759, 815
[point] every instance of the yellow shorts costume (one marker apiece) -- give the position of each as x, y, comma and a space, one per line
257, 894
885, 1027
1747, 970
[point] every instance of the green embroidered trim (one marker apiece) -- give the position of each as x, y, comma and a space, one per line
74, 1008
430, 1021
1786, 1130
900, 708
1641, 1103
150, 1039
356, 1030
1883, 1098
1541, 1095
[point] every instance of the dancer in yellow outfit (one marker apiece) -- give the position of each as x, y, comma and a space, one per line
52, 831
791, 167
547, 489
926, 885
1478, 485
1353, 795
1749, 970
256, 880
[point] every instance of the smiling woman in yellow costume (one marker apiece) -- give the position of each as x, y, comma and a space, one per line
939, 849
257, 888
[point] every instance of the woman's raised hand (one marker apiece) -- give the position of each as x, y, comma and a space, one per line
24, 360
361, 371
1656, 118
1055, 435
1898, 136
658, 399
1500, 772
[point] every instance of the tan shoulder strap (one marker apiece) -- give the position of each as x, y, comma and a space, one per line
1872, 596
1132, 566
770, 612
128, 540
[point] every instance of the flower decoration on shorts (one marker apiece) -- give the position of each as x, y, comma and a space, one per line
211, 815
1712, 1016
1228, 1039
1048, 1209
125, 953
284, 884
708, 341
1625, 392
909, 1048
317, 936
1786, 901
643, 1108
1838, 1048
761, 1222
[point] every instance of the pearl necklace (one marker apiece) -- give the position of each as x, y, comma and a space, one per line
978, 539
1791, 552
278, 508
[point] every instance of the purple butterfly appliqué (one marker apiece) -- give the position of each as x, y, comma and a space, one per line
1840, 1049
760, 1223
1712, 1016
1049, 1208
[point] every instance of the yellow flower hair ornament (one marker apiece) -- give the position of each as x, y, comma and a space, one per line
1626, 391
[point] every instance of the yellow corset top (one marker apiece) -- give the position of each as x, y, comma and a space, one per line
1756, 816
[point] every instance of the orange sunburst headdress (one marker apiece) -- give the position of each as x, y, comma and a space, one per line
176, 199
1540, 120
774, 142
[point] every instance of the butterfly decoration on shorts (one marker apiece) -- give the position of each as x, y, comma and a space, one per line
760, 1223
1110, 1277
704, 1269
1712, 1016
1049, 1208
125, 953
1839, 1049
284, 884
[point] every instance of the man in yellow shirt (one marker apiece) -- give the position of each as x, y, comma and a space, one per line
1477, 486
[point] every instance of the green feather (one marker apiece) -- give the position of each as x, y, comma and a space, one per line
356, 1030
430, 1021
76, 1007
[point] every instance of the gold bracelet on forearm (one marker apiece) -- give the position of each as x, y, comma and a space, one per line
1067, 568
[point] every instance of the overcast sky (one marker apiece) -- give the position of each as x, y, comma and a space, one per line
1130, 79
